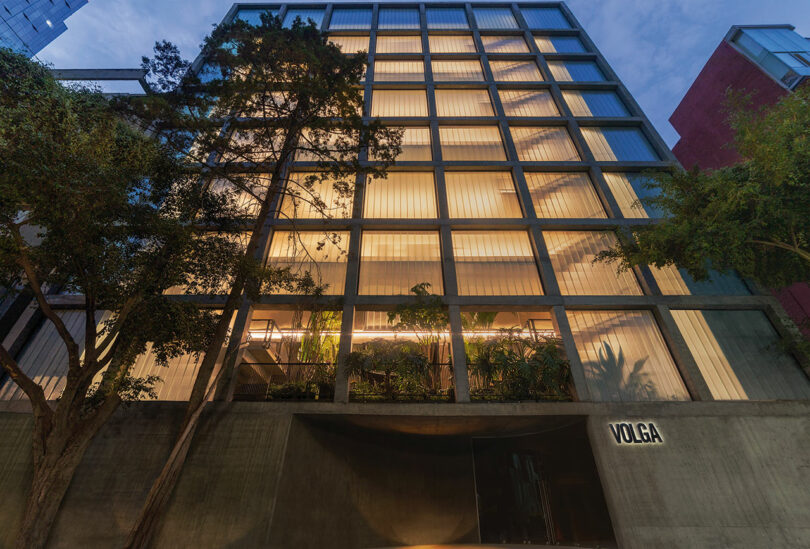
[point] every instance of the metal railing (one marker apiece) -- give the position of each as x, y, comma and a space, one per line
285, 381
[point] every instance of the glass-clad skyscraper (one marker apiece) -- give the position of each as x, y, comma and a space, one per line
30, 25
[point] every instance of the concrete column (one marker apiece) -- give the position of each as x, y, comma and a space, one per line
577, 369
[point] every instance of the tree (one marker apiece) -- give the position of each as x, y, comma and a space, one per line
266, 96
752, 217
94, 207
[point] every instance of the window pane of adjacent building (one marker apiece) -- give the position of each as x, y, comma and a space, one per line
495, 18
481, 195
545, 18
594, 103
399, 44
739, 355
394, 262
463, 103
462, 43
504, 44
310, 196
564, 195
455, 71
676, 281
399, 103
559, 44
575, 71
312, 251
402, 195
515, 71
544, 144
625, 357
305, 14
471, 143
398, 18
572, 255
446, 18
399, 71
353, 18
350, 44
622, 144
495, 263
528, 103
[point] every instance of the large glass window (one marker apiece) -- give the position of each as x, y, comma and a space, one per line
495, 18
254, 15
312, 195
398, 18
545, 18
594, 103
515, 71
350, 18
528, 103
544, 144
625, 356
446, 18
461, 43
415, 145
676, 281
563, 194
393, 262
495, 263
399, 71
399, 103
474, 143
627, 188
350, 44
559, 44
454, 102
399, 44
504, 44
739, 355
322, 255
456, 71
619, 144
572, 255
402, 195
481, 195
305, 14
575, 71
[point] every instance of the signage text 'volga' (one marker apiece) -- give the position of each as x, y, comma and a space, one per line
638, 433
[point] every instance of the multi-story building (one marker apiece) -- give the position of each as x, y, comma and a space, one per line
30, 25
523, 155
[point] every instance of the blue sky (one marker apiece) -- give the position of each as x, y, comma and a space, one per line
657, 47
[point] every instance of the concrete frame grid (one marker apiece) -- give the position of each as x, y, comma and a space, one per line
552, 300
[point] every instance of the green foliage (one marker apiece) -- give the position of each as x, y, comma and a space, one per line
513, 367
752, 217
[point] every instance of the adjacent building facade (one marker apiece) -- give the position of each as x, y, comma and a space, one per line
30, 25
523, 155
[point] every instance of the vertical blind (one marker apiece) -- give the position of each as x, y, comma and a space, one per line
594, 103
544, 144
403, 195
559, 44
504, 44
462, 43
625, 195
515, 71
463, 103
739, 355
545, 18
399, 103
572, 255
495, 18
350, 44
495, 263
350, 18
622, 144
446, 18
563, 195
399, 71
398, 18
306, 189
471, 143
394, 262
399, 44
528, 103
625, 357
456, 71
481, 195
415, 145
312, 251
676, 281
575, 71
176, 379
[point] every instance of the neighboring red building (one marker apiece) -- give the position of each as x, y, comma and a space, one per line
766, 61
